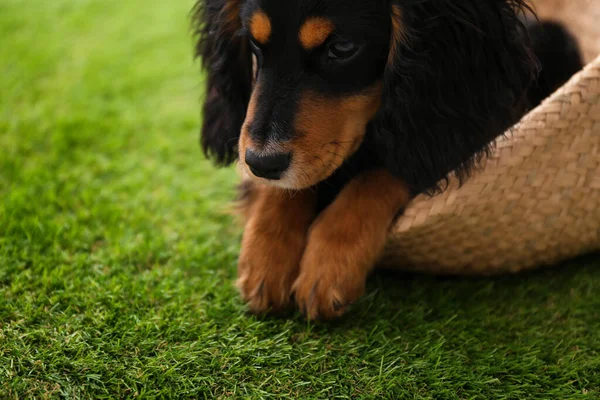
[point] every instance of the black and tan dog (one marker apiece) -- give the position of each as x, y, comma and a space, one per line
341, 111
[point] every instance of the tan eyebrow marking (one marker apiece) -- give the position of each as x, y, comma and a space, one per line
315, 31
260, 27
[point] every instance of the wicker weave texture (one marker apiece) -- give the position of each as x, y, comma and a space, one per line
536, 201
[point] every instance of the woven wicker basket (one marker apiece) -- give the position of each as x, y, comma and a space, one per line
536, 201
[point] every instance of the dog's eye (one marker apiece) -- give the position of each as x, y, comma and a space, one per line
341, 50
255, 46
257, 54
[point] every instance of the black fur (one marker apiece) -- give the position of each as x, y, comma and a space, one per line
559, 55
462, 77
226, 60
458, 82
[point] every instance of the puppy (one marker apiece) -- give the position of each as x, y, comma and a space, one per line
339, 112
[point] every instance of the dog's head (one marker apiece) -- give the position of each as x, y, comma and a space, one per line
295, 87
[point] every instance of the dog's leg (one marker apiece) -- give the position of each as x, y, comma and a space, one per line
274, 240
344, 243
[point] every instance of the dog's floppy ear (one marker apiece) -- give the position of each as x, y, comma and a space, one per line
456, 79
227, 63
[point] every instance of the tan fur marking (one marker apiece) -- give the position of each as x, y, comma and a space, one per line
330, 130
314, 32
260, 27
274, 240
245, 141
345, 242
398, 33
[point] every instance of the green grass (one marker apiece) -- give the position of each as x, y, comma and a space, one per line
117, 260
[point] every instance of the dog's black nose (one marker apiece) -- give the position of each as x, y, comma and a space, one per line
270, 166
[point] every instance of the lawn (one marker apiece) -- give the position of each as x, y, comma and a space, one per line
117, 256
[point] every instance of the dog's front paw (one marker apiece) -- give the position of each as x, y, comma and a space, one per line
267, 269
274, 239
331, 278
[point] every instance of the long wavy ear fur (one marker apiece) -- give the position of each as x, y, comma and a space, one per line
456, 79
559, 54
227, 63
